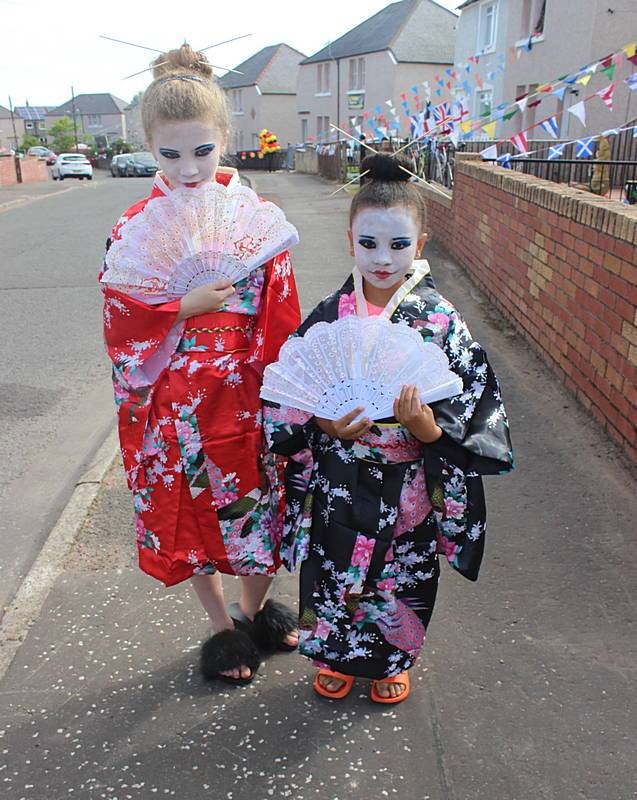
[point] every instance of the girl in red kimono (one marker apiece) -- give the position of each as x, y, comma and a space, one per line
187, 374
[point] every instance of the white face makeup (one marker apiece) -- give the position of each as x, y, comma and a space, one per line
385, 242
187, 152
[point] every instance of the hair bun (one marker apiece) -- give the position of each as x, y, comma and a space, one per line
182, 61
383, 167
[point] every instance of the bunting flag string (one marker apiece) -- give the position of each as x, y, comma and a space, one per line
550, 126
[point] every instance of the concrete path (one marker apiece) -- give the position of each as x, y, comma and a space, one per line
525, 691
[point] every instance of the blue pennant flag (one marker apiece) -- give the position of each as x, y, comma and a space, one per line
631, 80
559, 93
571, 78
550, 126
505, 160
378, 110
611, 132
395, 126
438, 92
414, 89
584, 147
556, 151
448, 71
635, 132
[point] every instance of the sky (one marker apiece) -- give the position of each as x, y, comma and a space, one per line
47, 49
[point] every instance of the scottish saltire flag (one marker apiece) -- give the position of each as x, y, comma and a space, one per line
631, 80
556, 151
505, 160
550, 126
584, 147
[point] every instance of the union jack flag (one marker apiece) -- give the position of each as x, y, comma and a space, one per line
441, 113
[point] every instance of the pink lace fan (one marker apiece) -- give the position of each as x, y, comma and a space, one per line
195, 236
338, 366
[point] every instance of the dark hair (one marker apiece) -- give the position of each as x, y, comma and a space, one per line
386, 185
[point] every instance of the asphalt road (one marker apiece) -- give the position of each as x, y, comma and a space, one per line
55, 399
525, 689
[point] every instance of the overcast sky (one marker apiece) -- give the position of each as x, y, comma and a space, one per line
47, 48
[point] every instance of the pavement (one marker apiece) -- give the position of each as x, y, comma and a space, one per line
525, 690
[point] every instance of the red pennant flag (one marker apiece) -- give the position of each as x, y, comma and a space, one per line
534, 103
607, 95
519, 141
448, 84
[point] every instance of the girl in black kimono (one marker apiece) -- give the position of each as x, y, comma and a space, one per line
371, 506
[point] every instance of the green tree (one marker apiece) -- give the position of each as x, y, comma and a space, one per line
30, 141
63, 135
118, 146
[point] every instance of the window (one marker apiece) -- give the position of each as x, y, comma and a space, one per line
484, 102
487, 27
28, 126
323, 78
304, 131
356, 74
529, 120
42, 125
532, 22
237, 101
323, 128
94, 120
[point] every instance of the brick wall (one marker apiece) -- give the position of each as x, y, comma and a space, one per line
7, 171
561, 264
33, 169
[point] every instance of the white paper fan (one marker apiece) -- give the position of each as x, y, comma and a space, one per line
354, 362
195, 236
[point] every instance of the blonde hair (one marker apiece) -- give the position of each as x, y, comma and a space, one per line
184, 88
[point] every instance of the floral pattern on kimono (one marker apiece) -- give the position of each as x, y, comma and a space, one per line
207, 495
367, 519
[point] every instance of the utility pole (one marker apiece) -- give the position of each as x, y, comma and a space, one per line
74, 120
15, 135
16, 159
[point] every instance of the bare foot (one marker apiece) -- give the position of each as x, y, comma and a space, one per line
237, 673
292, 639
390, 689
331, 684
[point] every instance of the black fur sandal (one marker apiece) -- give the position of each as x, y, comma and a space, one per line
229, 650
272, 624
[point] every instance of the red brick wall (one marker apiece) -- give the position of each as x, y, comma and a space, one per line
561, 264
33, 169
7, 171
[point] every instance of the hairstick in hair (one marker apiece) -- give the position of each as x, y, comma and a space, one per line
180, 78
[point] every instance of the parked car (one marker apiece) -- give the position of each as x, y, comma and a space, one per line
141, 164
40, 151
118, 165
71, 165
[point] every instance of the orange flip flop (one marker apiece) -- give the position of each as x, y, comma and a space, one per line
345, 689
402, 677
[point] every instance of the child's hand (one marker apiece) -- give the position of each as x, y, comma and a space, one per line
417, 418
204, 299
345, 427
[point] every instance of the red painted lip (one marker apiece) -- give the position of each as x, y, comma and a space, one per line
191, 185
383, 275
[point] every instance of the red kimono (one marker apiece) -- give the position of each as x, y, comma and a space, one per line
207, 495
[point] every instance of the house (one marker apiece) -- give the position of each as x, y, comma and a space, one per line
553, 38
135, 135
402, 46
31, 121
7, 139
263, 96
95, 115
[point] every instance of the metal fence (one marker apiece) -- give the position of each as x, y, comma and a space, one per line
614, 174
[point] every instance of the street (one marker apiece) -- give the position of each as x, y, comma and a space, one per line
525, 690
55, 397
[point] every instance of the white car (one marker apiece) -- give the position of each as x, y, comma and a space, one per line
71, 165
